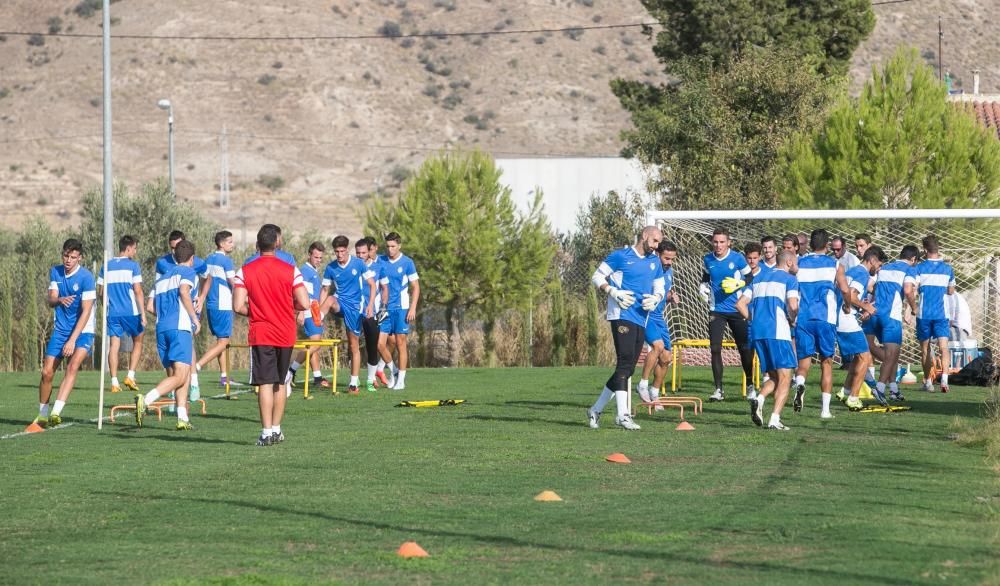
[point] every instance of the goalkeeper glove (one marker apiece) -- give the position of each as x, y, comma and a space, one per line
705, 291
624, 299
650, 301
732, 285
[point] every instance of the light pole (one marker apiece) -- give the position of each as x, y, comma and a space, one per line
165, 104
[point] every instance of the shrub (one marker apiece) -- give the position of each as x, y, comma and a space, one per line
266, 79
389, 28
55, 25
36, 40
272, 182
88, 8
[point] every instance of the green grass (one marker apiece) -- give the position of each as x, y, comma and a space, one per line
865, 498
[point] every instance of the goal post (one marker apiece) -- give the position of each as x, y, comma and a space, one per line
969, 238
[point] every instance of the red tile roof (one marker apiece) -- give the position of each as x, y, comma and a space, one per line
986, 112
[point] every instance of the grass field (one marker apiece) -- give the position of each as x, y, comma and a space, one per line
862, 499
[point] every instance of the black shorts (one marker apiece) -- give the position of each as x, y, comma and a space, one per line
269, 364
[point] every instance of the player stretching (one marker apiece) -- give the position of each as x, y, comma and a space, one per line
895, 286
176, 325
217, 291
269, 291
313, 283
348, 275
819, 276
657, 334
124, 311
935, 279
724, 271
850, 337
366, 249
72, 293
628, 275
399, 274
771, 304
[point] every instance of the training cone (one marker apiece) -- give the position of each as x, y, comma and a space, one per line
410, 549
866, 392
618, 458
34, 428
684, 426
547, 496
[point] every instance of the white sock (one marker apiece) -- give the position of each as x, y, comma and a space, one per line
893, 388
294, 367
761, 399
182, 413
152, 396
644, 384
800, 380
401, 377
774, 419
264, 432
131, 374
223, 374
826, 402
194, 379
880, 386
114, 381
766, 378
276, 429
370, 374
844, 391
392, 368
57, 407
621, 399
654, 392
317, 374
289, 376
944, 378
381, 364
871, 371
43, 409
197, 368
354, 381
606, 395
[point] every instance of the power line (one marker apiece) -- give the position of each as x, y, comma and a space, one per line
436, 35
890, 2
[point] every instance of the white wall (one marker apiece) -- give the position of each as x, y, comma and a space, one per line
567, 183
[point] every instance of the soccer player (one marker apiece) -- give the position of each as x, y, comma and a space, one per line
399, 274
803, 240
269, 291
628, 275
124, 311
723, 277
861, 243
176, 325
278, 252
819, 276
769, 251
771, 304
790, 243
217, 291
349, 276
850, 337
366, 249
313, 282
935, 279
657, 334
895, 286
752, 252
845, 257
72, 293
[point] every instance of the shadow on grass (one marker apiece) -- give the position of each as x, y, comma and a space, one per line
945, 407
540, 403
535, 420
225, 417
502, 541
184, 437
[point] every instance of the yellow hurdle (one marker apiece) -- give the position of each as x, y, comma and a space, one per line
675, 377
308, 346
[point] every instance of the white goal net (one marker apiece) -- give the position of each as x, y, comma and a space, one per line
970, 242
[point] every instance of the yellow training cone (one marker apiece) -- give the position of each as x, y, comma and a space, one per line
547, 496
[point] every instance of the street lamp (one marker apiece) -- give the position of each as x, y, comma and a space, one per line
165, 104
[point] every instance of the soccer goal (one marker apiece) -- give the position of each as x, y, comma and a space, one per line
970, 242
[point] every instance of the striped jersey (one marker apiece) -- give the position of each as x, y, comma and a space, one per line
398, 274
350, 282
889, 288
668, 283
934, 277
80, 284
170, 312
857, 280
312, 281
219, 268
817, 275
123, 272
769, 294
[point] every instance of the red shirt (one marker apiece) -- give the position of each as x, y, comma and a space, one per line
269, 282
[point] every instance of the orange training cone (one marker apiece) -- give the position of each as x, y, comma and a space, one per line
684, 426
618, 458
547, 496
410, 549
34, 428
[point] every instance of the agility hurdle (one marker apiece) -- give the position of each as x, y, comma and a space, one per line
156, 406
675, 377
308, 346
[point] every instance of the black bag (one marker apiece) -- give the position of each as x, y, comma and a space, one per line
980, 372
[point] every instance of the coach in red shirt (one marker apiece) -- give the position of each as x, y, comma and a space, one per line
270, 291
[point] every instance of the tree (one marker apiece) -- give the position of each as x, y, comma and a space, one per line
901, 144
825, 33
604, 223
715, 135
473, 250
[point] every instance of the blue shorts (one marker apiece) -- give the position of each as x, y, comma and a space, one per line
174, 346
310, 328
395, 322
58, 340
352, 319
887, 330
868, 326
657, 331
220, 321
774, 354
125, 325
928, 329
851, 344
815, 337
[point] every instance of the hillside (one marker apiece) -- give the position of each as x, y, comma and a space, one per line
315, 126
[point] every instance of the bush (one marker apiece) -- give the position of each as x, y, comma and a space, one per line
389, 28
451, 101
55, 25
272, 182
266, 79
88, 8
36, 40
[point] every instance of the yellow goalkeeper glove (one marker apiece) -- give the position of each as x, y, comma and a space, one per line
732, 285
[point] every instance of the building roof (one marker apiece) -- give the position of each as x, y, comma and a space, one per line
986, 109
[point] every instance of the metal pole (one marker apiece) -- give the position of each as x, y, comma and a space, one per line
109, 208
170, 148
940, 58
